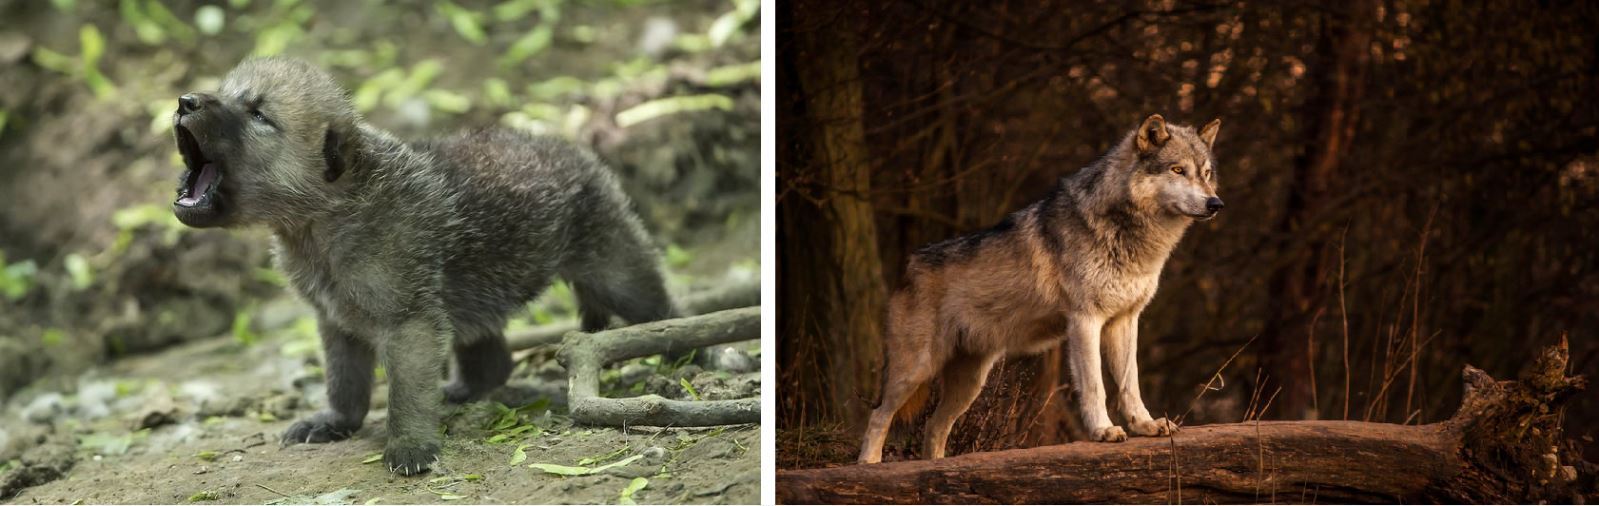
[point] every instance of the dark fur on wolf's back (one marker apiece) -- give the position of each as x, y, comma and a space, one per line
408, 250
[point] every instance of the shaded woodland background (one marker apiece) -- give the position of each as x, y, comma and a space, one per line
1411, 187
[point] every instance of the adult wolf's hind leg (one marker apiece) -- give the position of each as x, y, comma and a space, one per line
963, 378
904, 373
482, 364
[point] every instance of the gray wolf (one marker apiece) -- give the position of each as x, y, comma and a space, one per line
408, 250
1079, 266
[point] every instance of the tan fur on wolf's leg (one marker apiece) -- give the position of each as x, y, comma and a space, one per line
1082, 348
905, 373
1121, 352
963, 377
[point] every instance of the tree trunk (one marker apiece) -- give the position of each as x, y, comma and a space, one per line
1299, 284
834, 279
1500, 447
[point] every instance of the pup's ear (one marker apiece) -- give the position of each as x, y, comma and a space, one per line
336, 151
1208, 132
1152, 134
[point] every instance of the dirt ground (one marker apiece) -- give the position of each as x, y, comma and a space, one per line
201, 422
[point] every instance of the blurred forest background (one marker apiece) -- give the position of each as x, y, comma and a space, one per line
1411, 187
110, 308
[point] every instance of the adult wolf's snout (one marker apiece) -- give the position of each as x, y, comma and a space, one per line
193, 102
1214, 205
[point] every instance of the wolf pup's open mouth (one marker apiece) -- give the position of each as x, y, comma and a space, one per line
198, 203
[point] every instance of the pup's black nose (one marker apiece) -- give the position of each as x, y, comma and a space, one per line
1214, 204
190, 102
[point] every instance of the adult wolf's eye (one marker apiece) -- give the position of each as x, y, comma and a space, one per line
1177, 169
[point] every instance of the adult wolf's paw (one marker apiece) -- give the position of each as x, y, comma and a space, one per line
410, 459
1111, 434
1156, 427
322, 427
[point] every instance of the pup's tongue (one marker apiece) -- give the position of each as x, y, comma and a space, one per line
202, 185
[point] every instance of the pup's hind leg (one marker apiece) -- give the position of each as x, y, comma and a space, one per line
963, 377
482, 363
1121, 352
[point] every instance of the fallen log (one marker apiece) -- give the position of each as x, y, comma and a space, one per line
584, 354
1501, 446
698, 303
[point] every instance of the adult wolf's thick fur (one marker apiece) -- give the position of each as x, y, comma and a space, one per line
1077, 266
407, 250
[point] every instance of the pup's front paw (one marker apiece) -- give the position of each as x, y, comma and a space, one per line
1156, 427
409, 459
322, 427
1111, 434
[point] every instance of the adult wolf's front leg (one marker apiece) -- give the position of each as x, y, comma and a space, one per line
414, 354
1121, 350
348, 369
1082, 344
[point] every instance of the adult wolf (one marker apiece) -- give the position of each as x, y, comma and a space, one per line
1079, 266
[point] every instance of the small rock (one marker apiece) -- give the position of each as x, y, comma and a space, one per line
657, 35
44, 408
655, 455
730, 359
13, 47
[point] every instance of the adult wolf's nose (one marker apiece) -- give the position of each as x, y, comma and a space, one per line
191, 102
1214, 204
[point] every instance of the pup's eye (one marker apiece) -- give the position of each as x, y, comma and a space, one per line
1177, 169
258, 116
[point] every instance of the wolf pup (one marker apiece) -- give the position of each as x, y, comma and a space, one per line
1078, 265
407, 250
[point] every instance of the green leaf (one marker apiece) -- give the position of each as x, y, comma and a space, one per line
78, 268
562, 470
52, 337
579, 470
65, 6
241, 328
733, 74
687, 386
93, 44
161, 16
451, 497
526, 46
54, 61
372, 458
207, 455
210, 19
669, 106
464, 21
148, 31
520, 455
447, 101
633, 487
204, 495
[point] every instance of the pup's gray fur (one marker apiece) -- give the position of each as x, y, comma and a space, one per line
407, 250
1080, 264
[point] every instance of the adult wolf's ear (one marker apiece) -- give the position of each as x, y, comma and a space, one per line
1152, 134
1208, 132
337, 151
